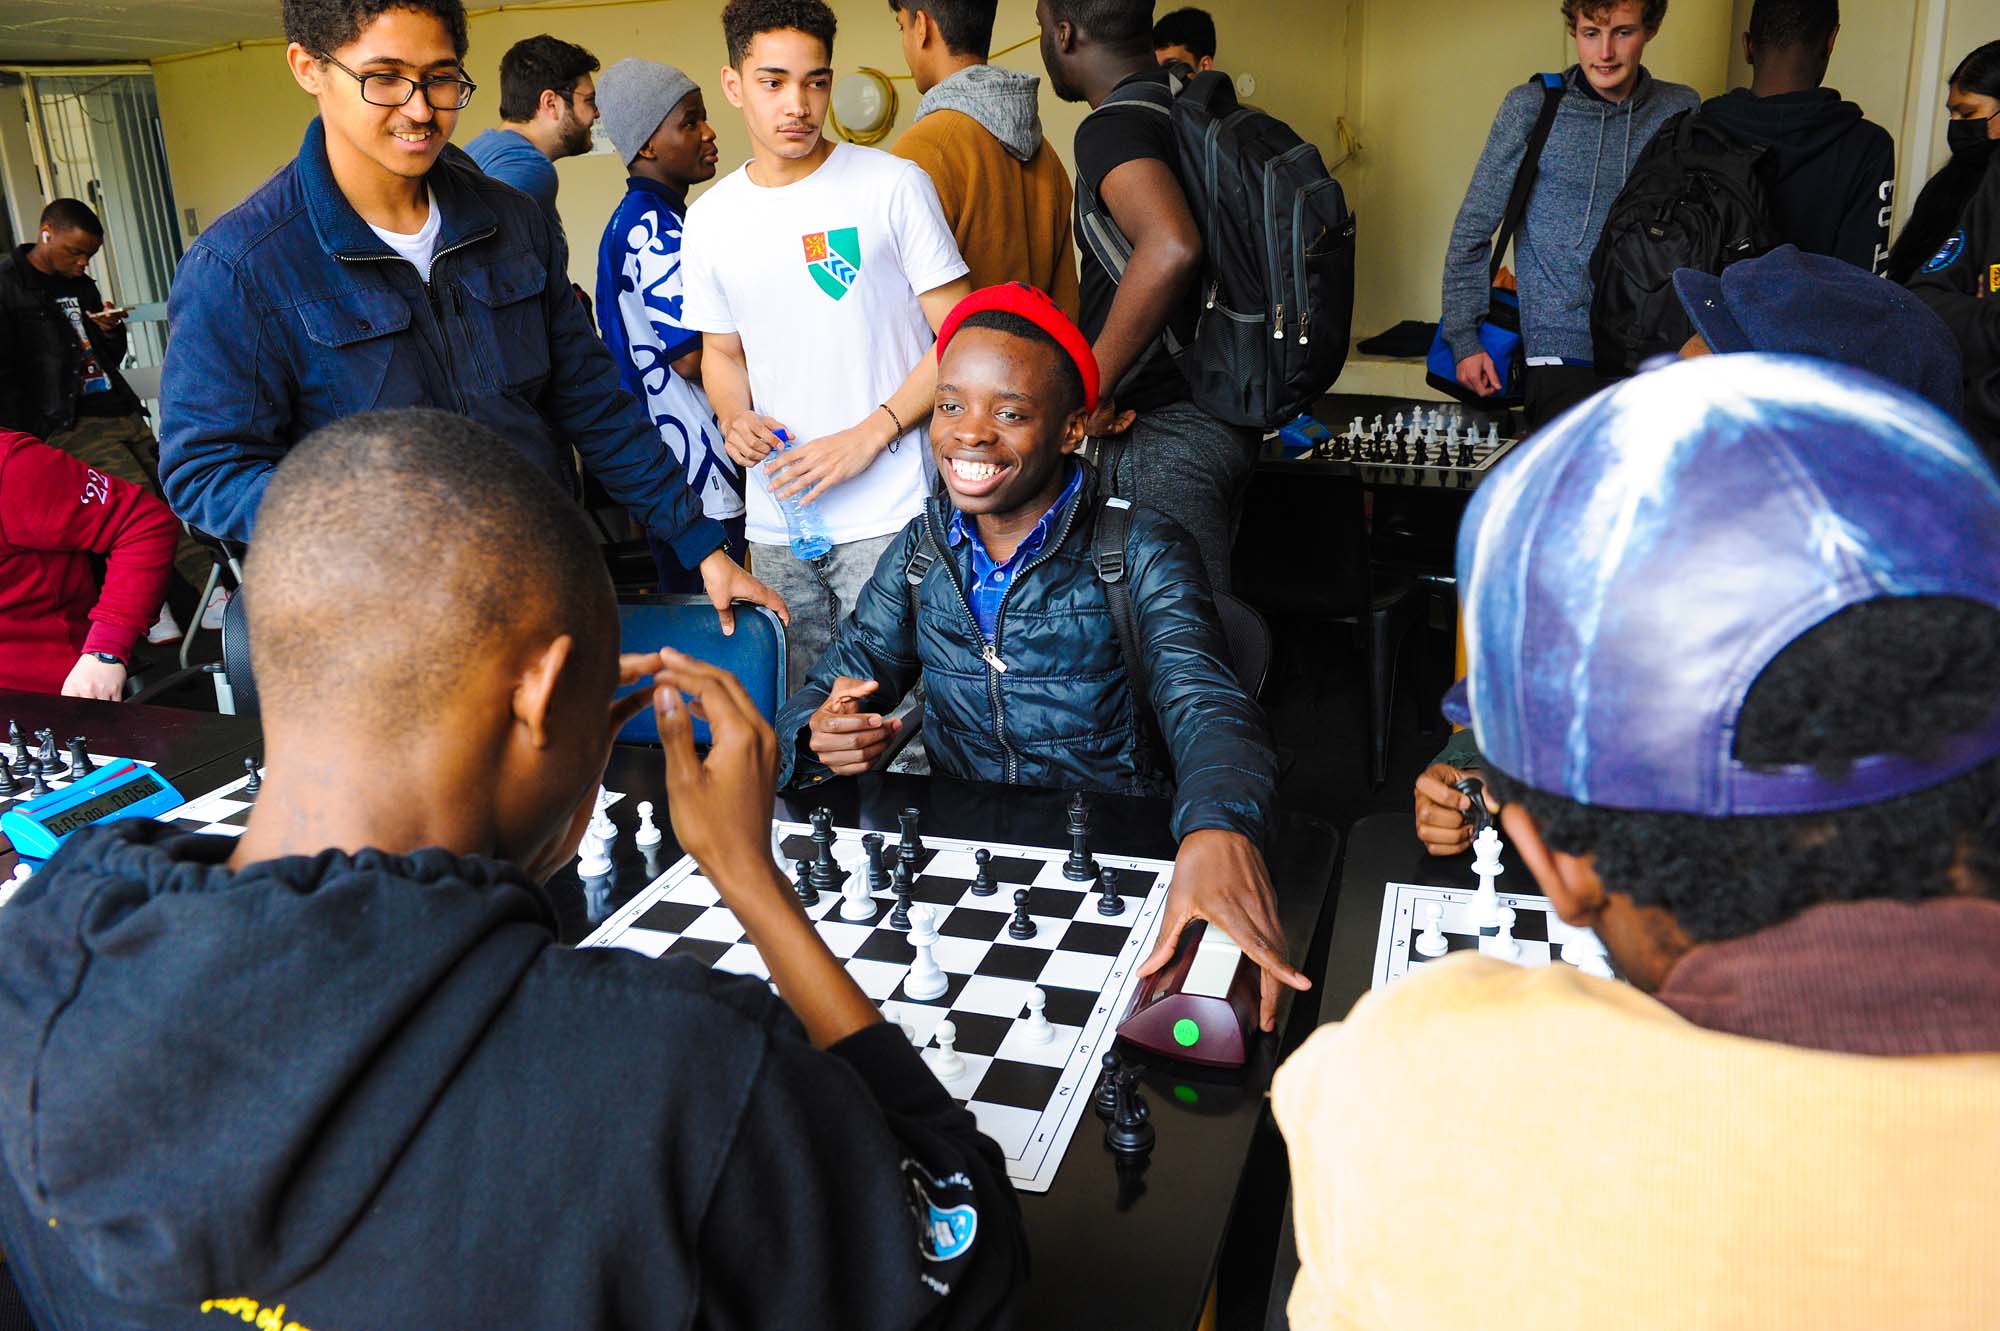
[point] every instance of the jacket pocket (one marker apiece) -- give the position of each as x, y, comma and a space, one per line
351, 340
504, 319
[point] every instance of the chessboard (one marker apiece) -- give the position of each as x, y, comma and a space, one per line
1435, 444
1027, 1095
22, 787
1540, 936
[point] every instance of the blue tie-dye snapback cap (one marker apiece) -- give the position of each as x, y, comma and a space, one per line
1629, 572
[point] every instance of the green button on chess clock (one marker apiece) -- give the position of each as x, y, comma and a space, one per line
1186, 1033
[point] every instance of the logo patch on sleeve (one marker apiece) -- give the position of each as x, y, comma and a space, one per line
1992, 278
1947, 256
947, 1223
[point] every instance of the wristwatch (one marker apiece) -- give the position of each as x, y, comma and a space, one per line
107, 658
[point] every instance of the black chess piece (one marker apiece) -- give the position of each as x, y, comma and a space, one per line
9, 783
803, 883
1105, 1100
1020, 926
1130, 1131
19, 760
1079, 868
1477, 814
52, 763
982, 873
899, 918
79, 757
1108, 902
825, 873
253, 779
871, 859
910, 846
38, 784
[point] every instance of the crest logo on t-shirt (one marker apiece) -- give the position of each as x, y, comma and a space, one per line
834, 259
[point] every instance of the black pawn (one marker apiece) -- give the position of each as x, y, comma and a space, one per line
1130, 1132
1108, 902
899, 918
79, 757
1106, 1100
982, 873
808, 894
9, 783
52, 763
37, 783
1020, 926
255, 780
19, 762
1078, 868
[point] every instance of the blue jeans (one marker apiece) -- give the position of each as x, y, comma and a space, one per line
820, 592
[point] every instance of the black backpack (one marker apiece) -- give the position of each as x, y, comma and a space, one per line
1696, 198
1277, 288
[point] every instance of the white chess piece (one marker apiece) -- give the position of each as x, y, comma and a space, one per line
595, 862
945, 1061
926, 979
1399, 422
909, 1031
15, 882
1486, 863
1038, 1029
1585, 951
1492, 434
600, 820
1503, 944
649, 832
1431, 942
855, 903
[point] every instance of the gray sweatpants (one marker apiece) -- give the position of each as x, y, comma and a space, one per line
820, 592
1182, 461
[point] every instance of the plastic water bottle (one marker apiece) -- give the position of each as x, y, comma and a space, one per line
804, 526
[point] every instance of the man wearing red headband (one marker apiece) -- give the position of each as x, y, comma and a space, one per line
992, 596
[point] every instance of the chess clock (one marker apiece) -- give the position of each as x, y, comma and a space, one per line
1201, 1007
121, 788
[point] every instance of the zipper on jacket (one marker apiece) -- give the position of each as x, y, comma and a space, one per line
1048, 552
995, 667
431, 299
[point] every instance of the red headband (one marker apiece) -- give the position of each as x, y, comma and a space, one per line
1034, 306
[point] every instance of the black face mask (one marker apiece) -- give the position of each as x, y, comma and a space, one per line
1964, 135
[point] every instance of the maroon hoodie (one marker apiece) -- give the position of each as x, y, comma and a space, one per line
55, 513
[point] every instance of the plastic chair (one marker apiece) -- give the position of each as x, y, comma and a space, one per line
1302, 553
1249, 641
755, 654
235, 685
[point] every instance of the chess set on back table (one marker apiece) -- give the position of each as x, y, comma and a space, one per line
1013, 969
1436, 443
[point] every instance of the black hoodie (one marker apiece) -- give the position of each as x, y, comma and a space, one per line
1962, 283
367, 1092
1834, 172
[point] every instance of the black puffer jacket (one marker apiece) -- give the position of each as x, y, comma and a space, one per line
1061, 713
41, 362
1962, 283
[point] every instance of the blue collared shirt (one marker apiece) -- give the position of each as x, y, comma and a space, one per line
990, 581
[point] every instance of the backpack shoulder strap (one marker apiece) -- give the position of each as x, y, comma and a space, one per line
1108, 556
1553, 89
916, 568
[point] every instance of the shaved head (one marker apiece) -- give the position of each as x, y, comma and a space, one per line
394, 545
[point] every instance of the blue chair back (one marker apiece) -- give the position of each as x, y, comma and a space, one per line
755, 653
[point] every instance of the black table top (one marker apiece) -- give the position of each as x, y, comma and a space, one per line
1111, 1247
197, 751
1382, 849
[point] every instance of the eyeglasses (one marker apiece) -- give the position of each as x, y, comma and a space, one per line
395, 90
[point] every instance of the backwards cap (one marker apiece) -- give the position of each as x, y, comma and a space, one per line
1033, 305
1629, 572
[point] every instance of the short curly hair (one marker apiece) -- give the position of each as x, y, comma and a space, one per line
1651, 12
324, 26
1896, 675
742, 20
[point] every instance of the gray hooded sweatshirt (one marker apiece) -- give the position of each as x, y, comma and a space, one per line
1590, 151
1003, 101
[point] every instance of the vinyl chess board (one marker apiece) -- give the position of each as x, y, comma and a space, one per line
1027, 1097
1434, 456
24, 792
1543, 938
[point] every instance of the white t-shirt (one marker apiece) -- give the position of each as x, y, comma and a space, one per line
820, 279
420, 248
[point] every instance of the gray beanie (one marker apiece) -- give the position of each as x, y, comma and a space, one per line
633, 97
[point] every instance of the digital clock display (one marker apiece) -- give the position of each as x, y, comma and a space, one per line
143, 786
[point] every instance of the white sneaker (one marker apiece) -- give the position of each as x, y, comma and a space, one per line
211, 617
165, 629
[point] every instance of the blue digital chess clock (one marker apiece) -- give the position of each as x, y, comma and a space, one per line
118, 789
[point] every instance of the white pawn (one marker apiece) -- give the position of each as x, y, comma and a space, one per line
1503, 944
595, 863
1038, 1031
945, 1061
649, 831
1431, 942
909, 1031
926, 978
1486, 863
